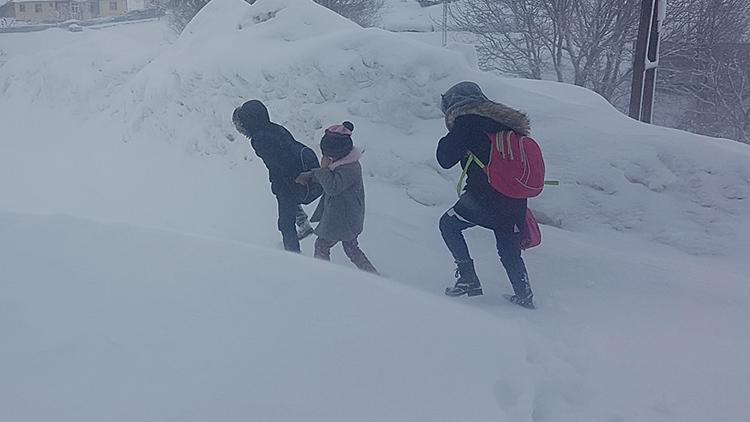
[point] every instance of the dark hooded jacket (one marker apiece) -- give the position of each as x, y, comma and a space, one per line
470, 118
280, 152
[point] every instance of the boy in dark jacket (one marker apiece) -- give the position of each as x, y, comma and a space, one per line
470, 117
285, 159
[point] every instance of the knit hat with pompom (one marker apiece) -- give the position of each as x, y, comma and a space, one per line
337, 141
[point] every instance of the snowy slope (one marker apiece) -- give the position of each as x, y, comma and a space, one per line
642, 291
679, 189
111, 327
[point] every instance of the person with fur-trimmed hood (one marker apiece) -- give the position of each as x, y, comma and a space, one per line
470, 117
285, 159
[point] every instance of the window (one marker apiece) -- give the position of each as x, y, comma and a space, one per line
22, 8
38, 7
74, 9
113, 5
92, 8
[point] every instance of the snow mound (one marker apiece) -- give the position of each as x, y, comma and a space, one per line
58, 71
409, 16
195, 329
116, 322
314, 68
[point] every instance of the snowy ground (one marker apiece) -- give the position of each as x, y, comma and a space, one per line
185, 309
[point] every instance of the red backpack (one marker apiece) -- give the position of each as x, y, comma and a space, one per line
516, 166
516, 169
531, 235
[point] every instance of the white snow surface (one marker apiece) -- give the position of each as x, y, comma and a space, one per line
163, 296
409, 16
219, 330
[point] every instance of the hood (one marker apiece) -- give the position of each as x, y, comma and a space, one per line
460, 94
251, 117
467, 98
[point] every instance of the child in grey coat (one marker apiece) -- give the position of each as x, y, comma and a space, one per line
341, 210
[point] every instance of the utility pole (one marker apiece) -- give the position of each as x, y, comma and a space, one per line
646, 60
445, 23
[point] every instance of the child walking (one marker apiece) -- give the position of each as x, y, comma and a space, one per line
341, 210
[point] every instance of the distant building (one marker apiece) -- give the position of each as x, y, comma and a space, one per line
50, 11
5, 9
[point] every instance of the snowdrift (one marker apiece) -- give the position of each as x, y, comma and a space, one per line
118, 323
314, 68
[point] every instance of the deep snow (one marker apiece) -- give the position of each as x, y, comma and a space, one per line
642, 291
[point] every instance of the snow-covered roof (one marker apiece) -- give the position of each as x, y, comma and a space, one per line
32, 1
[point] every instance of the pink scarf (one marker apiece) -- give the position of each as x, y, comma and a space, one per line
352, 157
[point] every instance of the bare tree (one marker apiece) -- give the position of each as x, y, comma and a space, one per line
509, 34
707, 60
600, 43
364, 12
585, 42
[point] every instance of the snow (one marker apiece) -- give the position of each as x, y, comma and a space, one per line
409, 16
218, 330
167, 279
136, 5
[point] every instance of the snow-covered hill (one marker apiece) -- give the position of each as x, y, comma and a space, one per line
640, 281
99, 323
314, 68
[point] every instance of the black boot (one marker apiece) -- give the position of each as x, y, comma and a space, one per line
523, 295
527, 303
467, 283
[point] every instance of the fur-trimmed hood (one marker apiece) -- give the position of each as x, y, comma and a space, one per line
466, 98
507, 116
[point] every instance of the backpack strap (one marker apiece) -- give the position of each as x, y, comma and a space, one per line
472, 159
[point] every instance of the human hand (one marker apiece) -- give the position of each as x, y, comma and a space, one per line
304, 178
325, 162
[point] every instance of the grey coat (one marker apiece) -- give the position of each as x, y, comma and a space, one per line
341, 210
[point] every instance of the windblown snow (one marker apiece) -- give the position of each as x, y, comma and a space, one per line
140, 277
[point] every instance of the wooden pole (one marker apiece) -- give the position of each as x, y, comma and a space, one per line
646, 60
445, 23
639, 62
652, 64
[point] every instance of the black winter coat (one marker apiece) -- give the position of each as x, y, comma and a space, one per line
284, 157
480, 203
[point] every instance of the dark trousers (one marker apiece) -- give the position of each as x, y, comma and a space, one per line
351, 249
508, 244
291, 215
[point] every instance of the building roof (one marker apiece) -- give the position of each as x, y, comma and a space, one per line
33, 1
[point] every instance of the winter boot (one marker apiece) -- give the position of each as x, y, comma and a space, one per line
527, 303
467, 283
304, 229
523, 295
